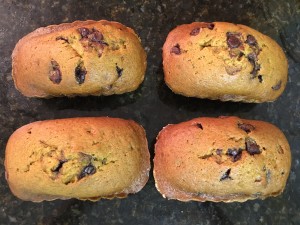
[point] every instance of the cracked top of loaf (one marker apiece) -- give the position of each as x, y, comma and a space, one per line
79, 58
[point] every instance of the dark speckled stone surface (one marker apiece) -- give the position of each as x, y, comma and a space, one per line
153, 105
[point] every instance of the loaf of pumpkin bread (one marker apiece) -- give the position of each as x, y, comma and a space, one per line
79, 58
221, 159
225, 61
83, 158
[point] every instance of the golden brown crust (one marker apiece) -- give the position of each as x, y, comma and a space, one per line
112, 64
221, 159
224, 61
84, 158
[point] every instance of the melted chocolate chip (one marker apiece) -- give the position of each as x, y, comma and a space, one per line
246, 127
210, 26
176, 49
59, 166
234, 153
84, 32
277, 86
252, 57
226, 176
219, 151
251, 147
251, 40
55, 74
195, 31
260, 79
119, 71
80, 73
88, 170
199, 125
233, 40
96, 36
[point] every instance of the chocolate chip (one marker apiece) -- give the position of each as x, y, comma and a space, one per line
84, 32
277, 86
260, 79
234, 153
104, 161
55, 74
251, 40
233, 40
219, 151
119, 71
226, 175
62, 38
59, 166
268, 176
252, 58
87, 170
210, 26
246, 127
176, 49
96, 36
251, 147
80, 73
195, 31
199, 125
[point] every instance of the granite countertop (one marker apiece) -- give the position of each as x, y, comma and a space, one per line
153, 105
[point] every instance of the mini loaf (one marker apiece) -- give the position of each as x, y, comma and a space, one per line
229, 62
79, 58
83, 158
221, 159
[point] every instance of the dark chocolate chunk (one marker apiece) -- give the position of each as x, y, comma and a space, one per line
176, 49
251, 40
252, 57
199, 125
195, 31
246, 127
59, 166
226, 176
219, 151
87, 170
210, 26
62, 38
251, 147
119, 71
55, 74
84, 32
277, 86
233, 40
80, 73
260, 79
96, 36
234, 153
